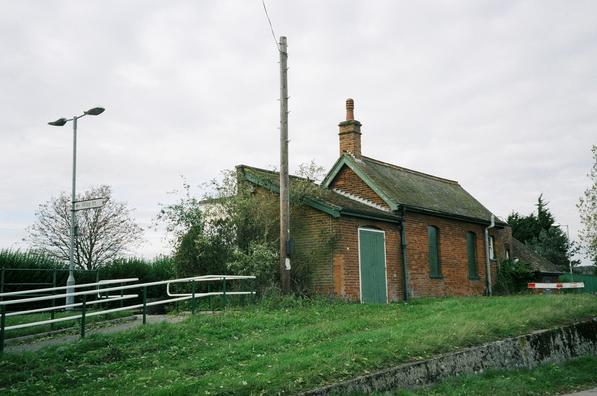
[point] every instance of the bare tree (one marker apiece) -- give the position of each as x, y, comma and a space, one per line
102, 234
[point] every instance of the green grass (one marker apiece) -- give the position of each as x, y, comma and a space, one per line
73, 323
549, 379
288, 349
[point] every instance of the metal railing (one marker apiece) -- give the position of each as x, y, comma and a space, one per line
53, 271
102, 298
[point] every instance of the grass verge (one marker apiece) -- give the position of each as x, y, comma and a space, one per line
549, 379
265, 349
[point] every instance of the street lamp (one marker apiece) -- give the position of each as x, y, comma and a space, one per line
70, 283
567, 237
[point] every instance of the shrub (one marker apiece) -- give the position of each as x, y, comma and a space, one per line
260, 260
161, 268
20, 265
513, 276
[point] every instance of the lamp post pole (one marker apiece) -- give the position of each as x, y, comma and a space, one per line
70, 282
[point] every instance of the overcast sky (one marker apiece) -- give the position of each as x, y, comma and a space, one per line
499, 95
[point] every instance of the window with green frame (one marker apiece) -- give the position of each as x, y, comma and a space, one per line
434, 265
471, 248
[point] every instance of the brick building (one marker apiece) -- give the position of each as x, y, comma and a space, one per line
397, 233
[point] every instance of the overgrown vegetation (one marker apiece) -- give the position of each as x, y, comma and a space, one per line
36, 269
297, 345
513, 276
234, 229
548, 379
40, 271
18, 259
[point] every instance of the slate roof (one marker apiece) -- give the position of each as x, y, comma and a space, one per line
400, 186
319, 197
537, 262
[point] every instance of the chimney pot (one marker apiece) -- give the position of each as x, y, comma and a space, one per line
349, 109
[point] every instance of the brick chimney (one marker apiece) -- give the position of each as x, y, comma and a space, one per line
350, 132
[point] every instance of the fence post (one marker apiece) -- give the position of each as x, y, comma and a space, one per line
52, 314
224, 291
193, 298
83, 316
254, 290
122, 294
97, 287
211, 308
2, 283
144, 304
2, 324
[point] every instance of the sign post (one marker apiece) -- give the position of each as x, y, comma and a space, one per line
90, 203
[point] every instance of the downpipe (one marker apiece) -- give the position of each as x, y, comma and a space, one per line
487, 260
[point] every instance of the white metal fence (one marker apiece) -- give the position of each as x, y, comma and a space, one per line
101, 291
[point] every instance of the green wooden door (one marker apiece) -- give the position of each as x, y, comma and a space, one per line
372, 259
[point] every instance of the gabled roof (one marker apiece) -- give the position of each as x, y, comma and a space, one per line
537, 262
317, 197
417, 191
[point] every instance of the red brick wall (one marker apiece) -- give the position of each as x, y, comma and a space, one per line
346, 257
337, 271
453, 257
348, 181
311, 231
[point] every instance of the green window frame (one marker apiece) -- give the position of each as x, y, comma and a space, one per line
435, 270
471, 249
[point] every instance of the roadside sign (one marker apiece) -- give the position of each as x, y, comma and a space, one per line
90, 203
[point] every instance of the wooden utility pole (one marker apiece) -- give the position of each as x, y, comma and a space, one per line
284, 182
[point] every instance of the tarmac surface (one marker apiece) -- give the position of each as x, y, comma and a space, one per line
14, 346
588, 392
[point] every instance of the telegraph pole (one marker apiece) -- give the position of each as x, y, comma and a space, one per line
284, 181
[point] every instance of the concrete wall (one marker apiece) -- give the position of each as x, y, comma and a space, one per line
528, 351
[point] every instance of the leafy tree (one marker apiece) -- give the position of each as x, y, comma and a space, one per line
235, 228
538, 232
102, 234
587, 207
202, 240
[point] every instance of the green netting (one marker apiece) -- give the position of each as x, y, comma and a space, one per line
590, 281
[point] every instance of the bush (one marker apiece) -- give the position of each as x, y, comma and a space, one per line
513, 277
161, 268
25, 264
204, 252
260, 260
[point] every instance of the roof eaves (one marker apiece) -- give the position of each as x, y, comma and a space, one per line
381, 217
452, 216
326, 207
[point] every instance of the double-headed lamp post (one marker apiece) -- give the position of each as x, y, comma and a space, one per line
70, 283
